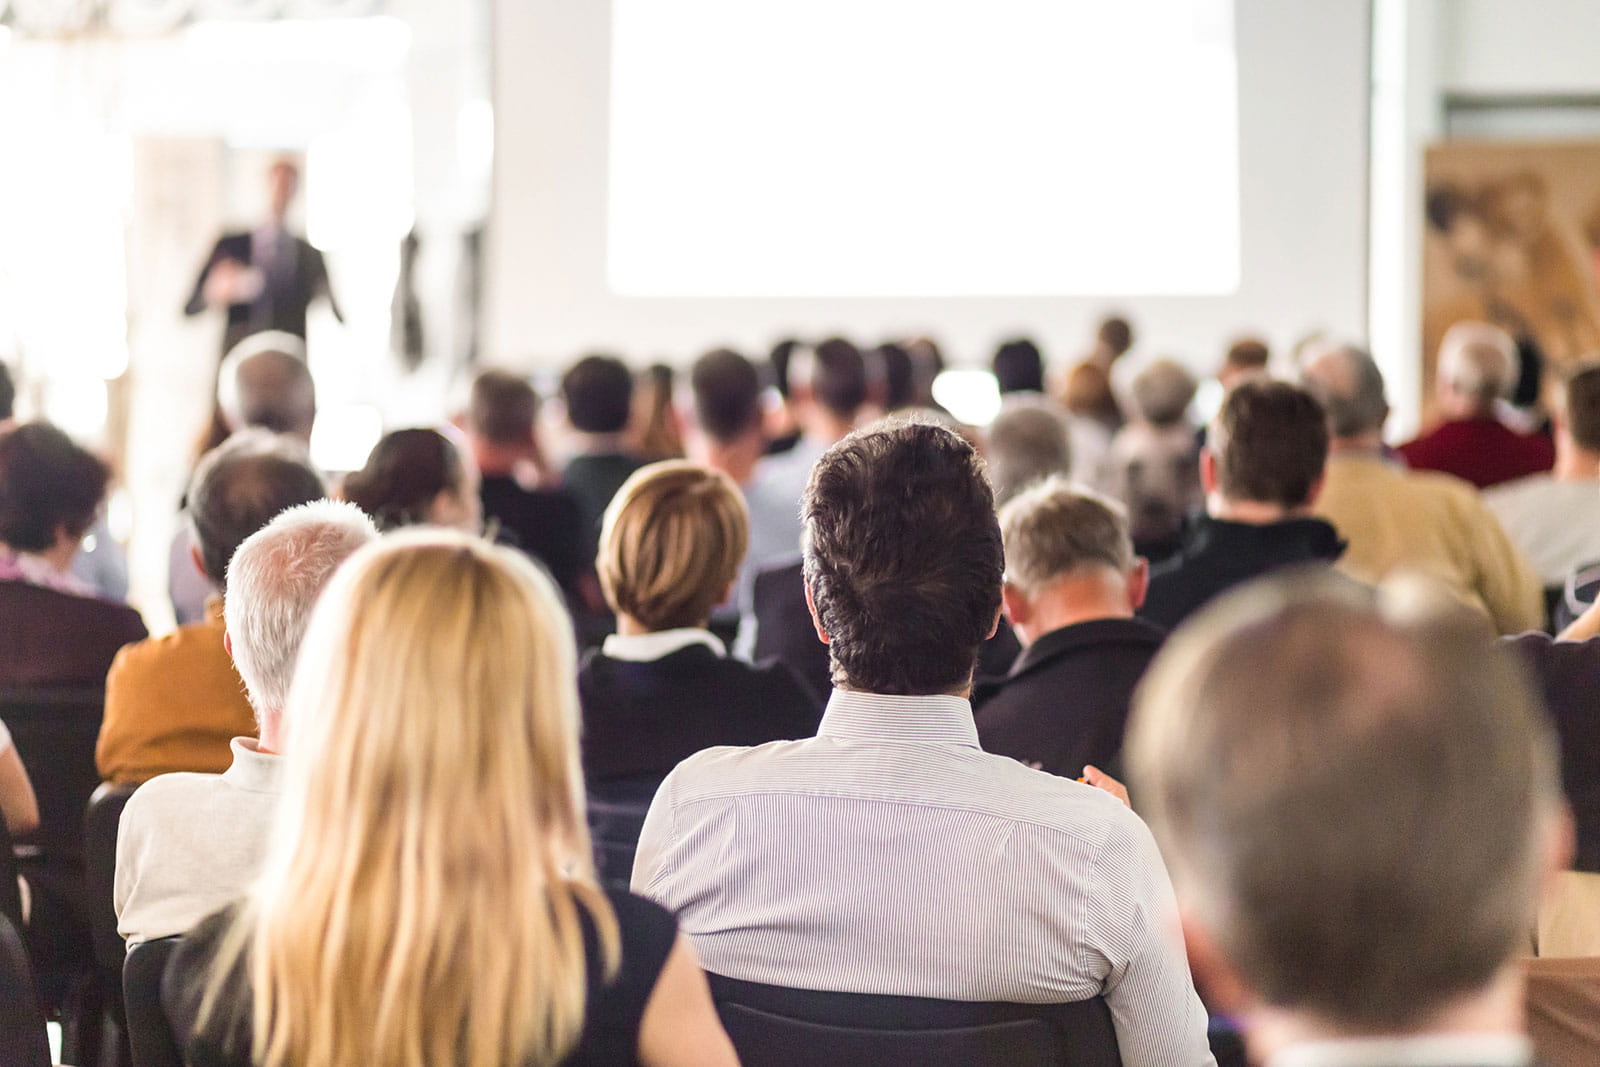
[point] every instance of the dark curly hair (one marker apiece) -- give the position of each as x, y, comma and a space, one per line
47, 482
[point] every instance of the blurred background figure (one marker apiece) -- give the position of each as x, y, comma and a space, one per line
1246, 358
1026, 443
656, 432
1153, 466
598, 394
265, 278
417, 477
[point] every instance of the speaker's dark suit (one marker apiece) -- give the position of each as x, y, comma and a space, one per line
294, 277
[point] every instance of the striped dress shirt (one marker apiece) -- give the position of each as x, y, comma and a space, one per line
890, 854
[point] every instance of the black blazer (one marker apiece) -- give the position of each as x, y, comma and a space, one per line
784, 632
640, 719
58, 639
1065, 702
284, 299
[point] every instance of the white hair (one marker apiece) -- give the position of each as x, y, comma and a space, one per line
274, 580
1478, 360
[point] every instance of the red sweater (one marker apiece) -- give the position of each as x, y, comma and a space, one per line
1484, 451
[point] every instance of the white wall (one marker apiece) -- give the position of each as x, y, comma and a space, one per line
1518, 46
1303, 149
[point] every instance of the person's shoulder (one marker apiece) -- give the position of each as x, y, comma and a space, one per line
729, 769
151, 651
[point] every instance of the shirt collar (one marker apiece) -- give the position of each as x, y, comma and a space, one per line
253, 770
644, 648
853, 715
1426, 1050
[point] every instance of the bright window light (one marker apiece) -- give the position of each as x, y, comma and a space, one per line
342, 437
972, 396
900, 148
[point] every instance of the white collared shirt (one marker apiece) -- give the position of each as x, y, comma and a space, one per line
1424, 1050
647, 648
890, 854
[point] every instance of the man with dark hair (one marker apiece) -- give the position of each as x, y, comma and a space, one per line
890, 854
1358, 798
598, 394
723, 420
1261, 470
1018, 367
1394, 519
545, 522
174, 703
1555, 517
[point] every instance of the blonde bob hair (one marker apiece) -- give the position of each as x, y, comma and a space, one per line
671, 544
420, 900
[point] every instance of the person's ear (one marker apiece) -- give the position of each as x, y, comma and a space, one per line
1016, 607
816, 620
1208, 471
1316, 489
198, 560
227, 643
1138, 582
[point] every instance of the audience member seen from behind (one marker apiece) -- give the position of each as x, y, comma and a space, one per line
1358, 800
598, 394
1153, 463
1246, 360
882, 855
174, 703
433, 788
1025, 444
1477, 368
264, 384
542, 520
1261, 469
57, 633
654, 422
1393, 519
417, 477
1089, 391
662, 687
1555, 517
1018, 367
191, 843
1071, 587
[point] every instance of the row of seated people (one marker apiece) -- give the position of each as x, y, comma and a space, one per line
888, 854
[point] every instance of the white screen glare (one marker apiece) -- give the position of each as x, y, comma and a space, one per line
907, 148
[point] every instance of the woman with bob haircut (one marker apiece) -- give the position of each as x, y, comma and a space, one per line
428, 896
663, 687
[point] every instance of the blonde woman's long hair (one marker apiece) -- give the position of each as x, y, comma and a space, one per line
420, 901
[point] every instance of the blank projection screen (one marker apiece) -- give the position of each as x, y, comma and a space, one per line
886, 148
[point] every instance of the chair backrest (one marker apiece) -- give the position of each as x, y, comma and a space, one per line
774, 1026
149, 1034
100, 822
10, 895
23, 1042
55, 731
616, 812
1562, 998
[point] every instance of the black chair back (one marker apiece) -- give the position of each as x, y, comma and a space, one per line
55, 731
23, 1042
10, 895
774, 1026
616, 816
101, 819
149, 1032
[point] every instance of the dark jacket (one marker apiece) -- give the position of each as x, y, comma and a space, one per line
1218, 555
1065, 702
593, 479
547, 524
58, 639
1568, 676
640, 719
285, 295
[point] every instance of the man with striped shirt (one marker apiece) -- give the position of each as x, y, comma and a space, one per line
890, 854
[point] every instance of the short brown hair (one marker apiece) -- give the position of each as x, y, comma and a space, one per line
1247, 353
1581, 392
1351, 792
1054, 529
502, 407
1270, 441
671, 543
902, 557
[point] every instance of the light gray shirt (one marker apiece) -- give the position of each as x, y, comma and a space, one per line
1556, 523
890, 854
189, 843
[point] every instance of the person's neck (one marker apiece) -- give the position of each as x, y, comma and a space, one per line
628, 626
737, 458
269, 733
599, 444
823, 427
1361, 444
59, 555
1455, 407
496, 460
1493, 1009
1573, 462
1074, 599
1253, 512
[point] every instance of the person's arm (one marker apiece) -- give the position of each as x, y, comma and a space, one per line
198, 301
17, 802
655, 838
1509, 585
680, 1024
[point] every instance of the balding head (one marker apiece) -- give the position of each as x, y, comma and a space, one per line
1477, 365
265, 383
1356, 795
274, 580
1348, 384
237, 489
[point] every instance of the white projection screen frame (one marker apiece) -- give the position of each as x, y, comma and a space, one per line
1042, 148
